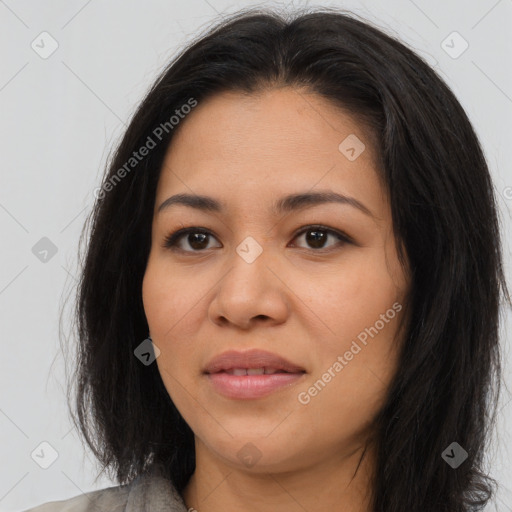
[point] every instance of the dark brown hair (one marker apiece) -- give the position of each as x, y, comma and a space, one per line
444, 215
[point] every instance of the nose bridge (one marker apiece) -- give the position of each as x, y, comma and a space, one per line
249, 289
249, 264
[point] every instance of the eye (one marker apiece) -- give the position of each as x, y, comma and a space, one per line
319, 234
197, 238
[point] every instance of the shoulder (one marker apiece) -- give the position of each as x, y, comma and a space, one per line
111, 499
146, 492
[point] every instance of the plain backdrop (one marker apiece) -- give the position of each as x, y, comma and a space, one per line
64, 104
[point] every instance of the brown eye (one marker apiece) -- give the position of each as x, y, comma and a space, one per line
317, 236
196, 238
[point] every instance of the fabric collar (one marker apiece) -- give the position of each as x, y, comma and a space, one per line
151, 492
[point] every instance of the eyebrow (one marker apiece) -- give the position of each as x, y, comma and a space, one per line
285, 204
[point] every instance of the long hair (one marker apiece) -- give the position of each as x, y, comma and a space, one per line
444, 216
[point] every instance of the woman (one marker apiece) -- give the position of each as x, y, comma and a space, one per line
283, 372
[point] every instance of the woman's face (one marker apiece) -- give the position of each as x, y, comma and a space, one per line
267, 278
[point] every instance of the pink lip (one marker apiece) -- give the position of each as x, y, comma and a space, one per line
250, 359
245, 387
251, 386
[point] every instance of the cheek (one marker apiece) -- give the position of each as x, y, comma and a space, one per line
172, 308
168, 299
362, 307
356, 295
357, 362
346, 405
163, 307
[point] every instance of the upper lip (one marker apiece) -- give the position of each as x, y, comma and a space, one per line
250, 359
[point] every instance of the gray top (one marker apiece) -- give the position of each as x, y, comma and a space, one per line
147, 493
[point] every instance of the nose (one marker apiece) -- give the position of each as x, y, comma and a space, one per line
250, 293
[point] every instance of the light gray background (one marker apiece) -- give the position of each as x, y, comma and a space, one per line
60, 116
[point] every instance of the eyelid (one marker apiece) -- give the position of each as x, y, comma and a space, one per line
170, 241
329, 230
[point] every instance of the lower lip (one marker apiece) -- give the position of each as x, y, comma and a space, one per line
251, 386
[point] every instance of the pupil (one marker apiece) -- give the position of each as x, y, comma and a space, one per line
194, 237
317, 239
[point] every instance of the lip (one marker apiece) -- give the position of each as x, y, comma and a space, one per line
247, 387
250, 359
250, 387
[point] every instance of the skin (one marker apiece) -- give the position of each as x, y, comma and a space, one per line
296, 299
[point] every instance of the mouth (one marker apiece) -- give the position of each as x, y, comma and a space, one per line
254, 371
251, 375
251, 362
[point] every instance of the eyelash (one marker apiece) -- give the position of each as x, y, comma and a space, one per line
171, 240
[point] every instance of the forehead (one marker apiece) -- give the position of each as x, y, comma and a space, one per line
277, 140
